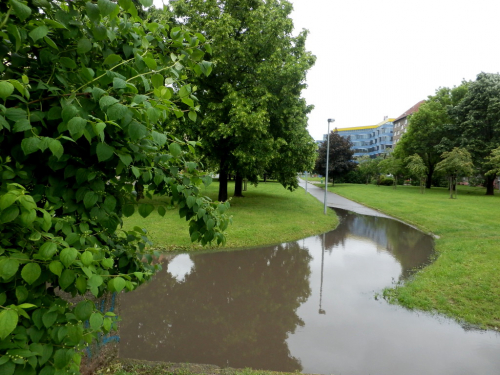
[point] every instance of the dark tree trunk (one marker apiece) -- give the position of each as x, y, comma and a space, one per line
222, 185
238, 185
428, 181
490, 188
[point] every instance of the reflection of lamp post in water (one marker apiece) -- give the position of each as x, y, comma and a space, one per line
327, 157
321, 311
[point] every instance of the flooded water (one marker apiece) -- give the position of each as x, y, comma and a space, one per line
305, 306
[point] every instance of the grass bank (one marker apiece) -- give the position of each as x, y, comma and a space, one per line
464, 281
136, 367
267, 214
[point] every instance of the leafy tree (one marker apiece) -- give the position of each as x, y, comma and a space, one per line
430, 131
455, 163
254, 119
340, 158
393, 166
369, 167
417, 167
477, 119
83, 95
494, 162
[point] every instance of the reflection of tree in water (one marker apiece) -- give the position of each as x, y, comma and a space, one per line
234, 309
410, 247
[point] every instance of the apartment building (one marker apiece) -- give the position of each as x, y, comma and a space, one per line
401, 122
370, 140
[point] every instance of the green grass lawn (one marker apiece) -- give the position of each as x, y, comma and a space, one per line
267, 214
464, 281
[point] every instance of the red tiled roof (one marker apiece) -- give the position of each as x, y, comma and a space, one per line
411, 110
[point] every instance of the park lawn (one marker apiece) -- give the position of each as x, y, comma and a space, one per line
464, 281
267, 214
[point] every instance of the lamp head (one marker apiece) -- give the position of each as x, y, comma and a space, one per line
331, 120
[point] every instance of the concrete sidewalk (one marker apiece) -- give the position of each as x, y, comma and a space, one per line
336, 201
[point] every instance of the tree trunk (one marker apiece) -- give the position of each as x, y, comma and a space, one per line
428, 181
450, 183
490, 188
238, 185
245, 181
222, 185
265, 177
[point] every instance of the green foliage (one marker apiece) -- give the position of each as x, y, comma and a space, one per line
340, 157
393, 166
455, 163
430, 131
477, 119
81, 114
494, 162
368, 166
254, 119
417, 168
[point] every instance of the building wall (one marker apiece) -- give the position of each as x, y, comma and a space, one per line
370, 140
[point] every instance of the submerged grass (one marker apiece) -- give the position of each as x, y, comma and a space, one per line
464, 281
267, 214
137, 367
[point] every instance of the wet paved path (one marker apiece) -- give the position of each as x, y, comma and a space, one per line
334, 200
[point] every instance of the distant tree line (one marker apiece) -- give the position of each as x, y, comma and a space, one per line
455, 133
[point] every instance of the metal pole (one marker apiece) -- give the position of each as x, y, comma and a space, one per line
327, 158
306, 182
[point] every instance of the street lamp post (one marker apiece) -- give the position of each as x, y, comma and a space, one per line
327, 157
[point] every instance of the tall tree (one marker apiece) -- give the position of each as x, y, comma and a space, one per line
477, 119
430, 130
254, 115
340, 157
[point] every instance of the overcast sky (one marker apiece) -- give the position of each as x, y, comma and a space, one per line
378, 58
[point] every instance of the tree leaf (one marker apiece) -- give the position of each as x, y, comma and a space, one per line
175, 149
9, 214
90, 199
157, 80
8, 268
145, 209
8, 322
47, 250
56, 267
137, 131
31, 272
68, 63
76, 126
7, 200
22, 11
119, 83
21, 126
56, 148
128, 210
39, 32
104, 151
112, 59
106, 7
106, 101
118, 284
6, 89
68, 256
30, 145
159, 138
67, 278
87, 258
96, 321
162, 211
84, 45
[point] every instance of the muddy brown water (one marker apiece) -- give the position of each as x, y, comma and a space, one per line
310, 305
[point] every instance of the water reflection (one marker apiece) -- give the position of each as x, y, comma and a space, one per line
411, 248
233, 309
304, 306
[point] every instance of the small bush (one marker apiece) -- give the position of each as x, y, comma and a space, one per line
386, 181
